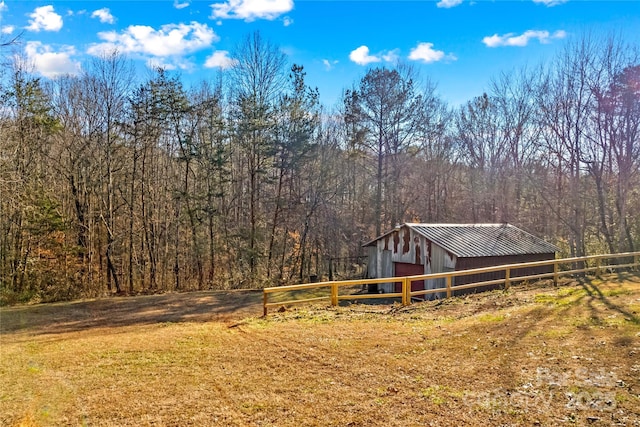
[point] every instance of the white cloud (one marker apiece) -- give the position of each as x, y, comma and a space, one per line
45, 18
3, 6
391, 56
361, 56
155, 63
170, 40
550, 3
328, 65
449, 3
79, 12
179, 5
104, 15
522, 40
220, 59
425, 52
7, 29
49, 63
250, 10
287, 21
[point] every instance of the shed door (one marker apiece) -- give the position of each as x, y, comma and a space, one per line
405, 269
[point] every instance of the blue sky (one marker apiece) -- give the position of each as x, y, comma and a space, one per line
458, 44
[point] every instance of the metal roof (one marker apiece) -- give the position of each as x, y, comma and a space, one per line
482, 240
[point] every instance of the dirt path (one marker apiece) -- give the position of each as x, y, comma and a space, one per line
222, 306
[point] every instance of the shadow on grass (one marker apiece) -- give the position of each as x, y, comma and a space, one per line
129, 311
541, 325
590, 286
222, 306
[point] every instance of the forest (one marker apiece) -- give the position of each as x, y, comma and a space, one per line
113, 182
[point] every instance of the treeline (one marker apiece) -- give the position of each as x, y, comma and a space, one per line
113, 184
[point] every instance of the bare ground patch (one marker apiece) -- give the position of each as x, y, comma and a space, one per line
529, 356
131, 311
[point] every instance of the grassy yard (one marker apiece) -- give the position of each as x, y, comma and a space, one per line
534, 355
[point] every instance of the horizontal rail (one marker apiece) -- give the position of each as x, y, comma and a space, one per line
531, 277
406, 293
323, 284
369, 296
429, 291
477, 284
299, 301
297, 287
617, 266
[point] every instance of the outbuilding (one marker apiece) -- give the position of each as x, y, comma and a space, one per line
413, 249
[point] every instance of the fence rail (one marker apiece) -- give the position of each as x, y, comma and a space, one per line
592, 263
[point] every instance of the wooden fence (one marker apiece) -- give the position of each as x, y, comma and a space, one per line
561, 267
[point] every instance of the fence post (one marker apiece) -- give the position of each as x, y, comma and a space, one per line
507, 278
264, 302
334, 294
598, 267
448, 286
555, 273
405, 292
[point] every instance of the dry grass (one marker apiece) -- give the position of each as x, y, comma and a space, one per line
530, 356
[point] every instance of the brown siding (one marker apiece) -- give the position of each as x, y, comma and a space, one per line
470, 263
